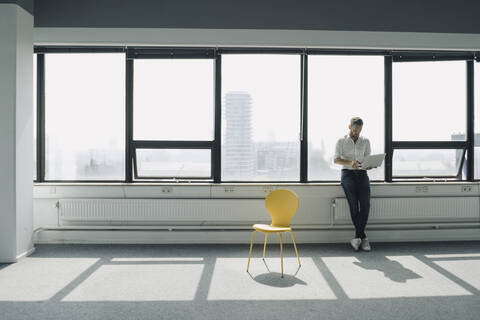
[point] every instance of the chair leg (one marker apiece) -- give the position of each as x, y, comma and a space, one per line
250, 253
295, 246
264, 246
281, 252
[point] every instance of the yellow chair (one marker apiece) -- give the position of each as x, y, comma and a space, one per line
281, 205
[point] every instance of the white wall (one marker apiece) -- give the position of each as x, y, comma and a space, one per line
16, 135
7, 131
24, 131
313, 221
315, 209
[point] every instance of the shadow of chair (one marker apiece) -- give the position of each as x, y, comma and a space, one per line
282, 205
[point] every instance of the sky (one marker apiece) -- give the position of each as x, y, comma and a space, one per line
429, 100
85, 100
273, 82
342, 87
174, 99
428, 97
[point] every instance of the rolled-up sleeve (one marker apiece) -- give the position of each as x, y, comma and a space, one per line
338, 149
368, 150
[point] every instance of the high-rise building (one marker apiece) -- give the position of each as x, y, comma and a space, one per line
238, 157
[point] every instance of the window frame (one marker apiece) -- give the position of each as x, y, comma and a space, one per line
40, 109
431, 145
467, 145
134, 52
41, 51
317, 52
282, 51
149, 145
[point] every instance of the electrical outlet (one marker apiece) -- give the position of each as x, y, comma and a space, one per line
228, 189
268, 189
167, 190
466, 188
421, 189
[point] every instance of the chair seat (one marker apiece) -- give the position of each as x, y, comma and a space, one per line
268, 228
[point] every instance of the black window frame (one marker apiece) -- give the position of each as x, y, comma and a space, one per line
131, 53
41, 51
40, 109
302, 58
431, 145
312, 52
466, 146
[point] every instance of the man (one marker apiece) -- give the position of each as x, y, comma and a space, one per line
350, 152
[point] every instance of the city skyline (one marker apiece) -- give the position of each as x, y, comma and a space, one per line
77, 122
242, 158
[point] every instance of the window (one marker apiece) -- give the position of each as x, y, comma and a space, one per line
429, 100
477, 120
261, 117
173, 115
34, 117
429, 119
428, 163
173, 99
340, 88
178, 163
85, 116
129, 114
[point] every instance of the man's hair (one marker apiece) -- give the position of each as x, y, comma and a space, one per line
356, 120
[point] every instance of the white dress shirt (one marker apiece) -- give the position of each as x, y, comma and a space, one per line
347, 149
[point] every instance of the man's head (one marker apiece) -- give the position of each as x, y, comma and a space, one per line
355, 126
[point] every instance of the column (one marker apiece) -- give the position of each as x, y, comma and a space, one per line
16, 132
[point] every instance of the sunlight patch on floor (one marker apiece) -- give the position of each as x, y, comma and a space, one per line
39, 279
140, 282
390, 277
230, 280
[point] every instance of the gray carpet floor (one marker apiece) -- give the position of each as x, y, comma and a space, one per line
395, 281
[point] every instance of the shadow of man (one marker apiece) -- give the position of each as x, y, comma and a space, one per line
391, 269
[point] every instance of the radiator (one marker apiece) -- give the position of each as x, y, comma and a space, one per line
392, 210
158, 211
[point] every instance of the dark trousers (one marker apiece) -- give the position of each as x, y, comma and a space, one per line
356, 185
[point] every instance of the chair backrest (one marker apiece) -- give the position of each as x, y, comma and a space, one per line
282, 205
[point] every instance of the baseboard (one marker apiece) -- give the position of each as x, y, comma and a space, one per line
18, 257
244, 236
26, 253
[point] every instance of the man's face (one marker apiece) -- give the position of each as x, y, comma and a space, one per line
355, 130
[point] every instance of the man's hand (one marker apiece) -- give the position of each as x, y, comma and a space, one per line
355, 164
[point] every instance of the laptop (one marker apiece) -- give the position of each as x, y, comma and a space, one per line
372, 161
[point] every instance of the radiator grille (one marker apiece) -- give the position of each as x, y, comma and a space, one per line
160, 210
414, 209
